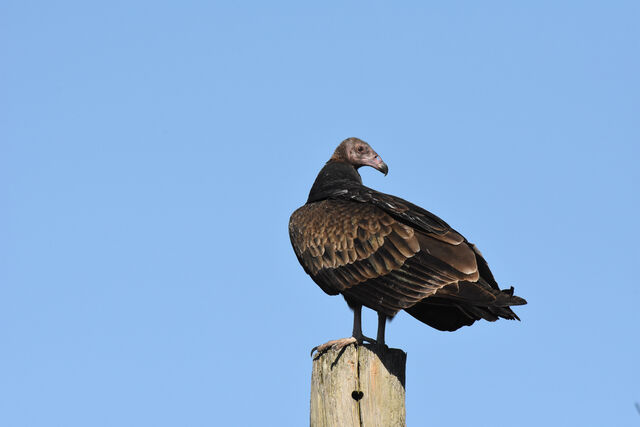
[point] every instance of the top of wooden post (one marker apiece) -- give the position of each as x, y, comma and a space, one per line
359, 385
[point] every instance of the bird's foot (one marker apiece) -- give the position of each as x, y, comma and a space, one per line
341, 343
338, 344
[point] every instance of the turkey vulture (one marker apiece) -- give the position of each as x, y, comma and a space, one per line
387, 254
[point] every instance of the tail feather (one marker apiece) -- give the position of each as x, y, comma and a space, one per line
506, 298
450, 310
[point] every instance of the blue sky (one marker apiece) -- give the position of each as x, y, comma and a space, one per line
152, 152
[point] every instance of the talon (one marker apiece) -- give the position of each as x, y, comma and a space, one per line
335, 345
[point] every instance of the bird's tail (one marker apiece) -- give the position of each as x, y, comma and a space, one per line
450, 309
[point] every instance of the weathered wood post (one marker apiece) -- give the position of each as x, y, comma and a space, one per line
358, 386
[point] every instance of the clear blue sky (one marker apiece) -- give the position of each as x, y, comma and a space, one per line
152, 152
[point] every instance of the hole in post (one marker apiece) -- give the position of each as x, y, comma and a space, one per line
357, 395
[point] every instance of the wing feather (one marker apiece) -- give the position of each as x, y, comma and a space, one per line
362, 251
390, 255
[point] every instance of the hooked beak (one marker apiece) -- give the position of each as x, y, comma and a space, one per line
378, 164
382, 167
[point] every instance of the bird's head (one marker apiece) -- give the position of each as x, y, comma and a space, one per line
358, 153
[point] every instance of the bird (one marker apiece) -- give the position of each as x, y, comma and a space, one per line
385, 253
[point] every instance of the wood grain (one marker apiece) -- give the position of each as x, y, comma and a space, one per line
358, 386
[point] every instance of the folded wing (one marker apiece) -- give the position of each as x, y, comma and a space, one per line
375, 257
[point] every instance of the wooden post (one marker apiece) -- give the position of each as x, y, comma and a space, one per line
358, 386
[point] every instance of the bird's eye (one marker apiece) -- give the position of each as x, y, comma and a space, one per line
360, 149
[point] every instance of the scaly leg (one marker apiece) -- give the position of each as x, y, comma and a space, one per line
356, 337
382, 321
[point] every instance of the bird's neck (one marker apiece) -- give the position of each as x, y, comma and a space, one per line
334, 177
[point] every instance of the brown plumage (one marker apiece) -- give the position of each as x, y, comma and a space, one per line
387, 254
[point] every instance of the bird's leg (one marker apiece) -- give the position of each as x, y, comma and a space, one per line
357, 327
357, 324
382, 321
356, 337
